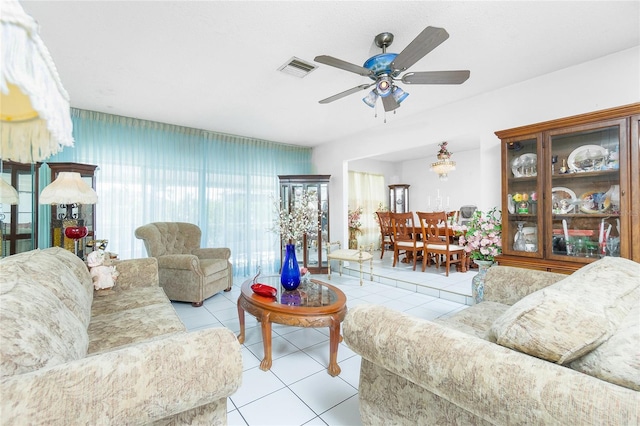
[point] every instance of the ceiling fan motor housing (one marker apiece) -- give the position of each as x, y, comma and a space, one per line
380, 64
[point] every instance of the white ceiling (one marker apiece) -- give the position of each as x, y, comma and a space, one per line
213, 64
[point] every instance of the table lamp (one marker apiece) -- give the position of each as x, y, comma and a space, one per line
68, 191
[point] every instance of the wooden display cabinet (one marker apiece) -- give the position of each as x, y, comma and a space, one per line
80, 214
19, 223
569, 190
312, 253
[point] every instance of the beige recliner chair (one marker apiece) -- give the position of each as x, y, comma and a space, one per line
187, 272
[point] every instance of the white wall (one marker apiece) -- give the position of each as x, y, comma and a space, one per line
599, 84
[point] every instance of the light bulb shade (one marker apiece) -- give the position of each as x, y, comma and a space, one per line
68, 188
383, 86
371, 98
8, 194
398, 94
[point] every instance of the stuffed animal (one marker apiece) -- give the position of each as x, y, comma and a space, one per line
103, 273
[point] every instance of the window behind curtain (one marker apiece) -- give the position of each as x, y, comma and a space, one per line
151, 172
368, 191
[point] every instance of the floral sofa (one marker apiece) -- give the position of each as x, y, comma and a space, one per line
542, 348
119, 356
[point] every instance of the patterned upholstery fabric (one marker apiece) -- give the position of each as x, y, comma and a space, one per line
618, 359
71, 285
187, 272
50, 330
415, 371
574, 316
130, 361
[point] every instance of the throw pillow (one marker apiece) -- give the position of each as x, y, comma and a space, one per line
574, 316
618, 359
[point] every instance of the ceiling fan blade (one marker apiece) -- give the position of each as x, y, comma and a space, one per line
425, 42
389, 103
436, 77
343, 65
346, 93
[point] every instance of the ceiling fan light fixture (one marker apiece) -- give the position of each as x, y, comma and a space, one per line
398, 94
383, 86
371, 99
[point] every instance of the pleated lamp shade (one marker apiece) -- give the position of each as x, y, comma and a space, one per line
68, 188
8, 194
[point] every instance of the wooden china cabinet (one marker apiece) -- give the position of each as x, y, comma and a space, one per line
571, 190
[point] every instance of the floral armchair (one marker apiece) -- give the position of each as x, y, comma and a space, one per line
187, 272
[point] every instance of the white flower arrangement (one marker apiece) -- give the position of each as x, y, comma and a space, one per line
302, 219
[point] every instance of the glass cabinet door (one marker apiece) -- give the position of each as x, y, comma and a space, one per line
522, 205
585, 200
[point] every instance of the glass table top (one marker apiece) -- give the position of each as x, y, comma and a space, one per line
312, 294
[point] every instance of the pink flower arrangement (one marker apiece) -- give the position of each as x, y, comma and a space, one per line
354, 219
482, 238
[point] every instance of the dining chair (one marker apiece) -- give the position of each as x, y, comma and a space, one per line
434, 225
386, 231
406, 239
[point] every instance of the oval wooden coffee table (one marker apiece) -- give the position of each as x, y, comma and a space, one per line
314, 304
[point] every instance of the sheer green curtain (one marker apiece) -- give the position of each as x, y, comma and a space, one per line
151, 171
367, 190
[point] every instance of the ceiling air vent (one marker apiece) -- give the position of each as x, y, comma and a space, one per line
297, 67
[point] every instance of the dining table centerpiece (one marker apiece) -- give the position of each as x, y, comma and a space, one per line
482, 241
292, 222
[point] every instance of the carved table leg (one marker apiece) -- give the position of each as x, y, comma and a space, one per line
265, 323
334, 340
241, 318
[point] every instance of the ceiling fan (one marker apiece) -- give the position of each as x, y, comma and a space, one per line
385, 68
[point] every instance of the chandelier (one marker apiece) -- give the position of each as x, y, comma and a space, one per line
444, 164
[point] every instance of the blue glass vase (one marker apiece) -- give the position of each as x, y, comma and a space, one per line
290, 273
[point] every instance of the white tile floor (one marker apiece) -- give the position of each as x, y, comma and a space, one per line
298, 390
